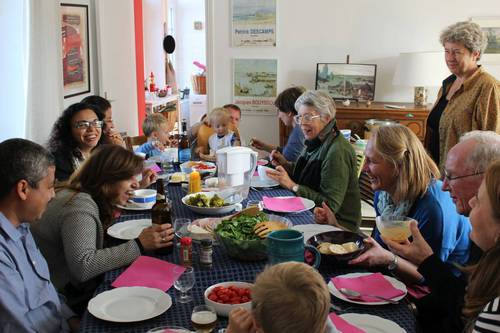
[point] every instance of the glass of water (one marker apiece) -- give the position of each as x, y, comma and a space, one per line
181, 227
184, 283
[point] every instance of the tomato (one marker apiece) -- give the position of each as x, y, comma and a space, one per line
230, 295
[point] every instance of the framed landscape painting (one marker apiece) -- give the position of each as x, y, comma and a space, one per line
491, 27
347, 81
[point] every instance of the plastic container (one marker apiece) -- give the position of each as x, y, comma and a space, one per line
194, 182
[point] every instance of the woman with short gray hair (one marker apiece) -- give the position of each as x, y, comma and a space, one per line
469, 98
326, 171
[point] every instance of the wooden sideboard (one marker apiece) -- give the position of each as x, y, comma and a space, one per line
353, 117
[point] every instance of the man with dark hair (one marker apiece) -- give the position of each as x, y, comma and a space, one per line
28, 300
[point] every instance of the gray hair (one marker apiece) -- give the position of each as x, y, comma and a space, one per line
319, 100
467, 33
22, 159
486, 150
152, 123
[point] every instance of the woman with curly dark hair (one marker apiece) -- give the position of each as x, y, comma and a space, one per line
75, 133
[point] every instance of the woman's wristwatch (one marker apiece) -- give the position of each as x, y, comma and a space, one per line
295, 188
393, 264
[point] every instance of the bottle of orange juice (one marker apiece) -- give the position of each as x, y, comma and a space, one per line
194, 182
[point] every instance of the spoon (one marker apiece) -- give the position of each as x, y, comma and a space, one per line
354, 294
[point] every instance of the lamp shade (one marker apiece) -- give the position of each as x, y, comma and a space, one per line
420, 69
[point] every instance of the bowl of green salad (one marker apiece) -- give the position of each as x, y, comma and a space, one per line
238, 238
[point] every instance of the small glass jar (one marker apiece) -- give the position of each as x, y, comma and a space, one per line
206, 252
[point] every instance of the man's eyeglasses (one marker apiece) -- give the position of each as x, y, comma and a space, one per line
86, 124
307, 118
450, 178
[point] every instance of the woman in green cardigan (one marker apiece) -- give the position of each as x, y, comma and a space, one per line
326, 170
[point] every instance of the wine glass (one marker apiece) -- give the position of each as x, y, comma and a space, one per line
184, 283
181, 227
203, 318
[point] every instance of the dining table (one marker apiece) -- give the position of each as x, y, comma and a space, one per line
224, 269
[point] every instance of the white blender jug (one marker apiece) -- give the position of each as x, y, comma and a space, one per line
235, 168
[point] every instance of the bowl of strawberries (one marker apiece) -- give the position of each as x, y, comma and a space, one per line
225, 296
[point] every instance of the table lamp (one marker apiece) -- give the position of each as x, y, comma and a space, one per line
420, 70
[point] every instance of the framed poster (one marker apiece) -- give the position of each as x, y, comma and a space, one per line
255, 85
347, 81
254, 22
491, 27
75, 49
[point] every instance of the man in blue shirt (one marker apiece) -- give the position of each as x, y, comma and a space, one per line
28, 300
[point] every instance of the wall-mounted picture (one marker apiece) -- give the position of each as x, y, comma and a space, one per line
347, 81
75, 49
491, 27
254, 22
255, 85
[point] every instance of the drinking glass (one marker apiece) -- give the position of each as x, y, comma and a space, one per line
184, 283
181, 227
203, 318
251, 203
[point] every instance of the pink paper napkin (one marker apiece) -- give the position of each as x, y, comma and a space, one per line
155, 168
374, 284
149, 272
256, 173
262, 162
292, 204
417, 291
343, 326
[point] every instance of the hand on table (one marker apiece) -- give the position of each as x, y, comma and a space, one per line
257, 144
376, 255
157, 236
281, 176
240, 321
324, 215
416, 251
148, 178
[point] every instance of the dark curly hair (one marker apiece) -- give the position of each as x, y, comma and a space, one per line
61, 137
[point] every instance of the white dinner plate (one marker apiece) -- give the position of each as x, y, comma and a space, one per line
128, 229
308, 204
309, 230
129, 304
135, 206
372, 324
259, 183
395, 282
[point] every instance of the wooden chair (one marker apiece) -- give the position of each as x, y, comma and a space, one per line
131, 141
367, 195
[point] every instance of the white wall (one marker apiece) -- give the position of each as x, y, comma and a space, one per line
325, 31
154, 57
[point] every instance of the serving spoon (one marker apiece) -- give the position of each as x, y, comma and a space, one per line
355, 294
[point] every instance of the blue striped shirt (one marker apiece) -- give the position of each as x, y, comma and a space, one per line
28, 300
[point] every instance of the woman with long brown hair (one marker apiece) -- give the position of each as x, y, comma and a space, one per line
71, 232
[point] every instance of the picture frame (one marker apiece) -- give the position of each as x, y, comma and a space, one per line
253, 23
491, 26
75, 49
347, 81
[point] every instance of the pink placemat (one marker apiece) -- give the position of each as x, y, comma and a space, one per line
288, 204
149, 272
343, 326
374, 284
155, 168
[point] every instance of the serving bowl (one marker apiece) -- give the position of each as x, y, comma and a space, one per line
338, 237
224, 309
249, 250
210, 210
188, 167
144, 197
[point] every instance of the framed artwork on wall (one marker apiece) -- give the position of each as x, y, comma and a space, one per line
253, 23
491, 27
347, 81
75, 49
255, 85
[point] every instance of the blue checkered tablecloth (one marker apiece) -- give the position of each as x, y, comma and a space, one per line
226, 269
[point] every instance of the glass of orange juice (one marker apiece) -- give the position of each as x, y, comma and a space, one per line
393, 227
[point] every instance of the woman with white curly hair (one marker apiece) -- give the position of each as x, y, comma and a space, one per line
469, 98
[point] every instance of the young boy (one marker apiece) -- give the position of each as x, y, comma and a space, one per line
155, 127
220, 120
288, 297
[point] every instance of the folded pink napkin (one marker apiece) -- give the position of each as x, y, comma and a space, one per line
155, 168
289, 204
262, 162
256, 173
416, 291
343, 326
149, 272
374, 284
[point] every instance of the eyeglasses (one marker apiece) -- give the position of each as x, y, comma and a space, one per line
307, 118
86, 124
450, 178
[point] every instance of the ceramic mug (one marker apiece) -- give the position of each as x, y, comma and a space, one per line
288, 245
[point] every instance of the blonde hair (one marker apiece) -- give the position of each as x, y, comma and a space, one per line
153, 123
398, 145
218, 114
290, 297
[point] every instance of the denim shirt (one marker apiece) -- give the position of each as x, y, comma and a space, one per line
28, 300
295, 145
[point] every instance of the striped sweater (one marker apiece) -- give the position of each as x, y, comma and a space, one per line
488, 321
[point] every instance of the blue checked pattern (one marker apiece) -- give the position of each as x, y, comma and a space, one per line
226, 269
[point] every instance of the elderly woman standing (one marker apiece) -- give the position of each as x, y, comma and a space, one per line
469, 99
326, 170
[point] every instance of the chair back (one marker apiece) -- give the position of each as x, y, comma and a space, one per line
131, 141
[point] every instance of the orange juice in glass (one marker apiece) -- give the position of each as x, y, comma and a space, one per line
393, 227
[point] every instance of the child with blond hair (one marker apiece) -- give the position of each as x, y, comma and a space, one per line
287, 297
156, 129
220, 121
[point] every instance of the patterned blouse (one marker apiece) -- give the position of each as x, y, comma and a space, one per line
475, 106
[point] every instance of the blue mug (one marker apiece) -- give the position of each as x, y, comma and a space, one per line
288, 245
